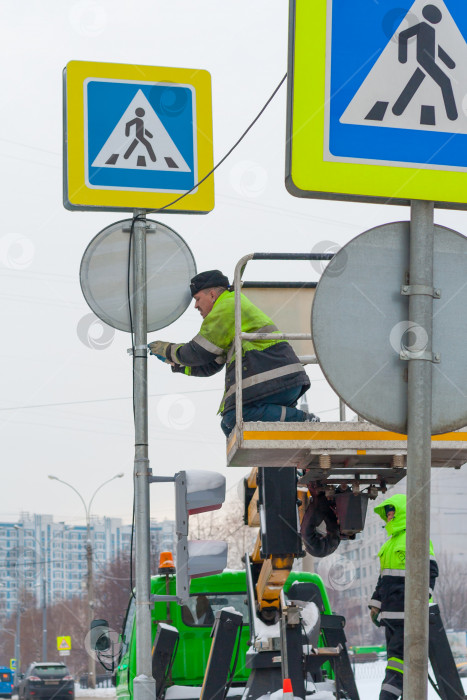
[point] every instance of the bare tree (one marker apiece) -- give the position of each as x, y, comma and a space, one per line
113, 589
451, 592
226, 524
65, 618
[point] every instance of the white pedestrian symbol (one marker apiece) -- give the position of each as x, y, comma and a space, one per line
420, 80
139, 141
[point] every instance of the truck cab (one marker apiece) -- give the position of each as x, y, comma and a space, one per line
194, 622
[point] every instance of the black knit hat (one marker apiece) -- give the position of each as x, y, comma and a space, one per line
205, 280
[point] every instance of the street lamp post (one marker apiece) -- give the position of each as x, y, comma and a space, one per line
44, 617
18, 609
89, 553
42, 584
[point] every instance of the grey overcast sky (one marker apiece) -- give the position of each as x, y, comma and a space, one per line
66, 406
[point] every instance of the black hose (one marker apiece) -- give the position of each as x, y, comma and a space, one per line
315, 543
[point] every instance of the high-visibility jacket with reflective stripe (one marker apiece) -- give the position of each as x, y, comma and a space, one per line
389, 593
268, 366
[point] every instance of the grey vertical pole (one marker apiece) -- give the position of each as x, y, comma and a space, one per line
90, 592
44, 619
240, 266
18, 631
341, 410
19, 558
144, 684
419, 454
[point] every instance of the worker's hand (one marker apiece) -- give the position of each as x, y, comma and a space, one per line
160, 349
374, 612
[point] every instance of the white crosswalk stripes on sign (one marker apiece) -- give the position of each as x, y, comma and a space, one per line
406, 91
140, 141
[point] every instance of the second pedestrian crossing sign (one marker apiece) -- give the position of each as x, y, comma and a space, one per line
378, 100
137, 137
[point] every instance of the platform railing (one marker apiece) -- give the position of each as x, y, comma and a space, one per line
239, 335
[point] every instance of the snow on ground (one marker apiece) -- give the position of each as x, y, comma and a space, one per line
368, 676
94, 693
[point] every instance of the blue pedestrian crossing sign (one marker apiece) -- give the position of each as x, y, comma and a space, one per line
137, 137
387, 117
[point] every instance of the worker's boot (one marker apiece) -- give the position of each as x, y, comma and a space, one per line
312, 418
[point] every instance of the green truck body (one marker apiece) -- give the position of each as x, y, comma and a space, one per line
194, 624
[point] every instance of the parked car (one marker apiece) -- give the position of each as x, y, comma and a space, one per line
47, 680
6, 682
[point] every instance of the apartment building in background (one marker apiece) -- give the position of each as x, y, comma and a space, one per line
35, 547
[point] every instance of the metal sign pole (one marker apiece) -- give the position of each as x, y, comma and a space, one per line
144, 684
419, 451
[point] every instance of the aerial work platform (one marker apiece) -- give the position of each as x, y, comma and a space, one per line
340, 448
331, 452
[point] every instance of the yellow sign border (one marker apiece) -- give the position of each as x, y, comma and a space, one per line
67, 641
77, 196
307, 174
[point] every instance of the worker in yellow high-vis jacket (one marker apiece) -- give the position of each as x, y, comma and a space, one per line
387, 603
273, 378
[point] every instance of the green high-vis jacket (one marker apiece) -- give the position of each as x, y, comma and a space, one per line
268, 366
389, 593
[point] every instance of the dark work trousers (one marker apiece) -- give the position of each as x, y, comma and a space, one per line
277, 407
394, 677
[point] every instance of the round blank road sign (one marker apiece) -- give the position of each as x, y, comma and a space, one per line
170, 265
360, 326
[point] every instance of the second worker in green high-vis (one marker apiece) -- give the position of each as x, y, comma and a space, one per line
387, 603
273, 378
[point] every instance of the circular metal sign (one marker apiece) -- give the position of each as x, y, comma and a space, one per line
360, 327
170, 265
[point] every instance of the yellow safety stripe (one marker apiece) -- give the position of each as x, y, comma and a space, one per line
394, 658
351, 436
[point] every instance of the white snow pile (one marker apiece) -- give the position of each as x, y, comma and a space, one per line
310, 616
263, 632
185, 692
94, 692
319, 695
231, 609
165, 626
199, 479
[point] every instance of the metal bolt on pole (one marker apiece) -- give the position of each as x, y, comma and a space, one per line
419, 455
144, 684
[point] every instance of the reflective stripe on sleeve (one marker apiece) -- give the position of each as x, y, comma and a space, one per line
375, 604
207, 345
